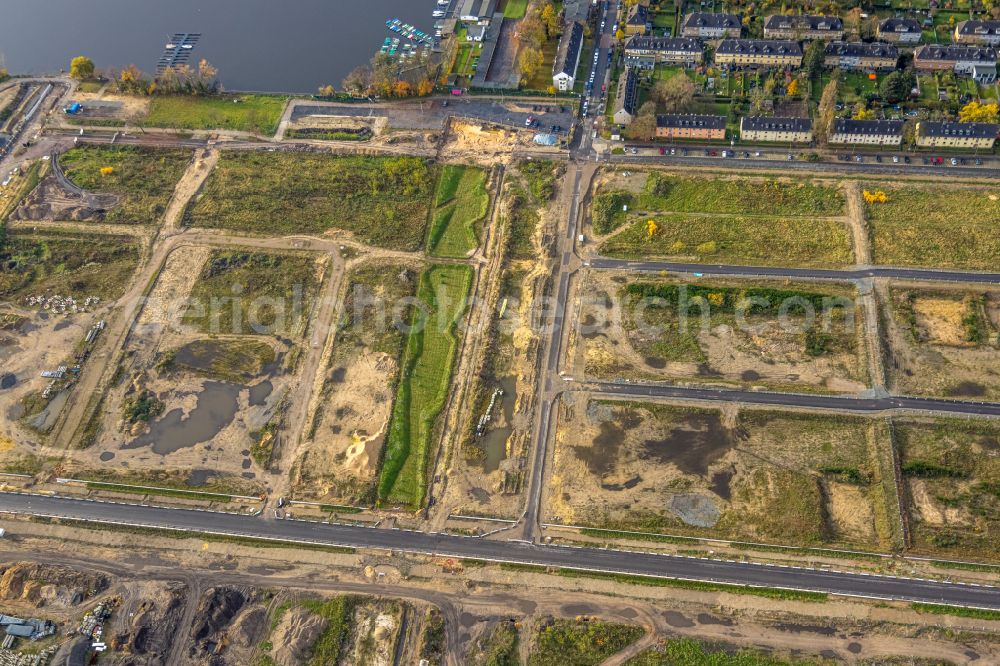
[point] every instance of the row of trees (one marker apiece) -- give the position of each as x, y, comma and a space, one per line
182, 79
384, 77
538, 25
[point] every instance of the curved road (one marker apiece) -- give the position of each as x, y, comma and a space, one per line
590, 559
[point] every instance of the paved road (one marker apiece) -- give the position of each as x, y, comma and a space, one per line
554, 556
845, 275
650, 156
806, 400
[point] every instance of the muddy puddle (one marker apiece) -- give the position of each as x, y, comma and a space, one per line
259, 393
601, 456
693, 446
494, 442
216, 409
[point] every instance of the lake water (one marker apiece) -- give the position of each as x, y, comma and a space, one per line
290, 46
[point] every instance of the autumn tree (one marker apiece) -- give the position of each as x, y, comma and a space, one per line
326, 91
861, 112
81, 67
793, 88
550, 18
356, 82
528, 62
130, 81
425, 87
977, 112
675, 94
827, 110
402, 88
643, 127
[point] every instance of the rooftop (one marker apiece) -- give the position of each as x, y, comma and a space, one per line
899, 24
803, 22
706, 20
625, 96
956, 52
678, 120
760, 46
944, 128
981, 28
665, 44
768, 124
862, 49
638, 14
569, 50
868, 127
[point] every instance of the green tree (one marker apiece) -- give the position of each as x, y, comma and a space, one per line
814, 58
81, 67
896, 87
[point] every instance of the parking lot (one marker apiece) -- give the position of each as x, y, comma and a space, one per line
431, 114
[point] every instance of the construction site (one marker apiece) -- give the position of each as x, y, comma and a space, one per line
394, 384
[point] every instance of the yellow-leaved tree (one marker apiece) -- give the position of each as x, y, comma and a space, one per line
977, 112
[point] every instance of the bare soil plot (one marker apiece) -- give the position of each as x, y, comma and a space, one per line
382, 201
341, 461
488, 476
54, 289
951, 471
943, 342
343, 630
720, 219
768, 476
202, 384
946, 227
775, 334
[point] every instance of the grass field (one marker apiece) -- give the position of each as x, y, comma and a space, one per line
580, 642
66, 265
246, 113
735, 240
515, 9
936, 226
738, 196
144, 177
424, 380
462, 202
241, 292
383, 201
951, 473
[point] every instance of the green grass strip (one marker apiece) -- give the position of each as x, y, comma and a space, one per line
165, 492
425, 377
959, 611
